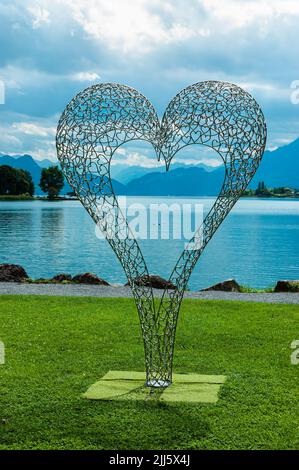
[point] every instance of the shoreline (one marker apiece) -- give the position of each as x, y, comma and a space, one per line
45, 199
83, 290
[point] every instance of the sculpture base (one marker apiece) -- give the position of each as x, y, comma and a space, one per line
130, 385
157, 383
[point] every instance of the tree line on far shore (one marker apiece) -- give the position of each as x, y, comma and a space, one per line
263, 191
16, 182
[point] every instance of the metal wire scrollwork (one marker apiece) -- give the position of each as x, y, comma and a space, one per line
103, 117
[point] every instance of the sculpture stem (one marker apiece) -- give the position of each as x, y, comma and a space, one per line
158, 339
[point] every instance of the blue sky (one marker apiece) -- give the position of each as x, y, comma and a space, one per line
52, 49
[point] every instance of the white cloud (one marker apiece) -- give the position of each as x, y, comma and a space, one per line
157, 47
39, 15
134, 159
9, 140
19, 78
234, 14
30, 128
192, 155
24, 136
258, 86
139, 159
133, 26
86, 76
267, 90
138, 26
213, 162
48, 153
271, 148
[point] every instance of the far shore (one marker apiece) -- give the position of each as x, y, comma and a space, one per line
8, 198
36, 198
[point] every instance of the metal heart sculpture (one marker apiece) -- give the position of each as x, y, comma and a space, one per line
102, 118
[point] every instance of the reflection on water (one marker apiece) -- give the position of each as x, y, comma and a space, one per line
257, 243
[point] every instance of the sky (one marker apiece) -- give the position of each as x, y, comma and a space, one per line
52, 49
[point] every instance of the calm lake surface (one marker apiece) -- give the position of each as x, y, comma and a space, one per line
257, 244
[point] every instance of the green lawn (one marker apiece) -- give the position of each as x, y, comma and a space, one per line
57, 347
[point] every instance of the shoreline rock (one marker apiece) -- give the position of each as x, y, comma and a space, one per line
16, 273
89, 278
12, 273
287, 286
154, 281
230, 285
61, 277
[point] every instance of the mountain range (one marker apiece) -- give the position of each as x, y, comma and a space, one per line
190, 181
279, 167
125, 174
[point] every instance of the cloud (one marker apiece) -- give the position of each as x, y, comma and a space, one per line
19, 134
51, 49
142, 153
139, 26
40, 16
11, 141
233, 14
30, 128
133, 27
86, 76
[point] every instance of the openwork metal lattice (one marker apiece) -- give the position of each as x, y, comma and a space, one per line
102, 118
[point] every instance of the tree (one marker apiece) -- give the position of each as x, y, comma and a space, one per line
7, 180
24, 182
262, 190
51, 181
14, 181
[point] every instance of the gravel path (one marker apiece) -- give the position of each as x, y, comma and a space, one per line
81, 290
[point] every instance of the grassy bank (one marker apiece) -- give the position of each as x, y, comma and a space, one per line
57, 347
27, 197
20, 197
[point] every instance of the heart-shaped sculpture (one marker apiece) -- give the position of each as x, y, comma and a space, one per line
102, 118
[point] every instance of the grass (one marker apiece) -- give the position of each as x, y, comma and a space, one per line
252, 290
57, 347
27, 197
19, 197
46, 281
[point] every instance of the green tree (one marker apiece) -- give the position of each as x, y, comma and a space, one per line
262, 190
14, 181
24, 182
7, 180
51, 181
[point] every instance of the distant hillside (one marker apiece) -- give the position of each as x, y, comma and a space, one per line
180, 182
46, 163
125, 174
118, 188
279, 167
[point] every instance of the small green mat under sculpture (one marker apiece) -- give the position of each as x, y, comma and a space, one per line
128, 385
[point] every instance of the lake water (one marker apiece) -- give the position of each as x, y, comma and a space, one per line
257, 244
